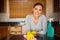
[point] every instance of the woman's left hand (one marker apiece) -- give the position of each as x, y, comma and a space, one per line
37, 32
33, 39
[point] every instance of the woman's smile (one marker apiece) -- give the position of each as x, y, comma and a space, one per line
37, 11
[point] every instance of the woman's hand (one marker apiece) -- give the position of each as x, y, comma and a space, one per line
33, 39
37, 32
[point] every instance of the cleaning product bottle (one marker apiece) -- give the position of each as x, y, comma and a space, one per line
50, 30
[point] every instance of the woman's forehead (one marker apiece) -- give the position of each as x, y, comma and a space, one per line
38, 6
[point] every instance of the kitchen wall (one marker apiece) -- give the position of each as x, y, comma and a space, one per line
49, 8
4, 17
56, 10
49, 12
59, 9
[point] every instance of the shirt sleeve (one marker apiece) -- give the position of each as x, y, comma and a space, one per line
27, 24
44, 25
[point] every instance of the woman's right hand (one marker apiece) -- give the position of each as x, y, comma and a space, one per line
37, 32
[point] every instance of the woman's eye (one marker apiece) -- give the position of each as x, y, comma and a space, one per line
35, 8
40, 9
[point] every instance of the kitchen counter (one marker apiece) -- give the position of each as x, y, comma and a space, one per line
5, 25
12, 23
22, 23
20, 37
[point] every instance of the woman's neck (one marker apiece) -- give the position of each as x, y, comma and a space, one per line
35, 17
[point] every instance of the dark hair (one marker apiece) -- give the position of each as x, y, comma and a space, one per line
38, 4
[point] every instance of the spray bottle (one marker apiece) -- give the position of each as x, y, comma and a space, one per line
50, 30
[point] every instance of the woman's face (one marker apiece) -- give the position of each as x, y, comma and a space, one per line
37, 10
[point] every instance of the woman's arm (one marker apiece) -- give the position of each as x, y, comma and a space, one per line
27, 25
44, 26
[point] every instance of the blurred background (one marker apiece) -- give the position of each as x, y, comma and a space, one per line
12, 9
13, 13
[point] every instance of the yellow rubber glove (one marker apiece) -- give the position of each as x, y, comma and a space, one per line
29, 35
34, 33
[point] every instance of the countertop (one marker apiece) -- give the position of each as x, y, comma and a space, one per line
12, 23
20, 37
20, 23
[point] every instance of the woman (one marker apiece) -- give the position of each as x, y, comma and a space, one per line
36, 21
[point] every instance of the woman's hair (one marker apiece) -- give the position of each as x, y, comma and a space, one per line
38, 4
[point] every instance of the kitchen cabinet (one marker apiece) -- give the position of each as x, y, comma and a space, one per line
5, 31
3, 6
56, 26
21, 8
57, 30
15, 30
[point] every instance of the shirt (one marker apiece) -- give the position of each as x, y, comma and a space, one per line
41, 26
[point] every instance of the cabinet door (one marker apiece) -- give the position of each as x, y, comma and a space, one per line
2, 6
15, 30
3, 31
57, 30
21, 8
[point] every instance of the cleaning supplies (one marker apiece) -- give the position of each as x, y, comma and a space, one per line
31, 35
50, 30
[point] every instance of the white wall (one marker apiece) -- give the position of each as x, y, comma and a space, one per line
3, 17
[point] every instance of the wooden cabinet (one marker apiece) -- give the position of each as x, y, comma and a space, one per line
7, 30
57, 30
3, 31
3, 6
15, 30
21, 8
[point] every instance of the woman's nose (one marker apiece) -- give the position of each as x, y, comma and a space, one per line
37, 11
